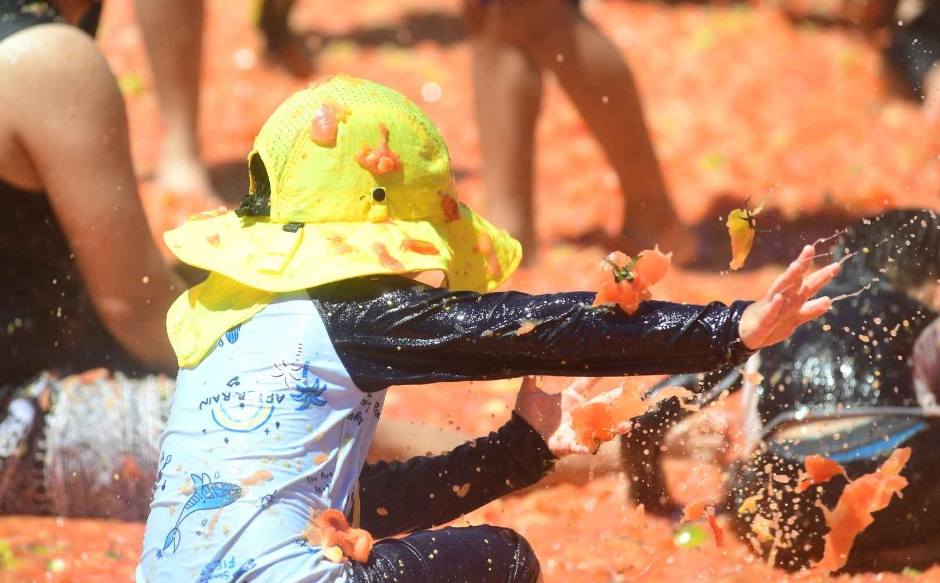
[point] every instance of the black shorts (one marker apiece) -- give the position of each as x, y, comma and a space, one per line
478, 554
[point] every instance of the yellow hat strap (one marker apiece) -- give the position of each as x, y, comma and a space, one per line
280, 248
379, 211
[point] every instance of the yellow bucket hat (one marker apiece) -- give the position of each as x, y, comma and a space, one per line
360, 184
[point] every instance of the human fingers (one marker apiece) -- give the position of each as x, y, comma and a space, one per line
813, 309
794, 274
810, 311
816, 281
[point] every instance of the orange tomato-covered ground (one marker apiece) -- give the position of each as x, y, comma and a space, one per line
741, 101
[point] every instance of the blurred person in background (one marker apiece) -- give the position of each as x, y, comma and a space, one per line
174, 47
83, 285
514, 42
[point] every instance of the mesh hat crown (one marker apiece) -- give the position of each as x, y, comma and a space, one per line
348, 178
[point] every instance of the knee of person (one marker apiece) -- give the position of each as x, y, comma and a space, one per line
528, 569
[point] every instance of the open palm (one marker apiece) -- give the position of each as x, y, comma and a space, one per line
787, 304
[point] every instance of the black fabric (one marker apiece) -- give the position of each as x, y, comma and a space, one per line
478, 554
914, 48
640, 450
909, 521
856, 356
47, 320
92, 18
424, 492
16, 15
390, 330
832, 363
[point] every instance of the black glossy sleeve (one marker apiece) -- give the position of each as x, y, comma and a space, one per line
423, 492
393, 331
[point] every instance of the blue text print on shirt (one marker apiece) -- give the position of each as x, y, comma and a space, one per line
208, 495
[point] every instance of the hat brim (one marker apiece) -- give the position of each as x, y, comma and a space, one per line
472, 253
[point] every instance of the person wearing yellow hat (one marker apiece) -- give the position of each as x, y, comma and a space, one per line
312, 310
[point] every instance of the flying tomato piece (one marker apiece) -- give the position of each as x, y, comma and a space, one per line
625, 281
741, 227
716, 529
692, 512
853, 512
819, 469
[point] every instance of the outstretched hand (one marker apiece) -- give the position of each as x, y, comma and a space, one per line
550, 414
787, 304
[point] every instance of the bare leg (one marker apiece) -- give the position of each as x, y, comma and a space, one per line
598, 80
508, 89
173, 33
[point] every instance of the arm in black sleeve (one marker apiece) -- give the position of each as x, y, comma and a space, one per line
391, 331
424, 492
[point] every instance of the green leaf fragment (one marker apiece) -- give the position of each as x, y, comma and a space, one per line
625, 272
690, 536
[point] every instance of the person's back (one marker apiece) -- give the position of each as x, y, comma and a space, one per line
269, 416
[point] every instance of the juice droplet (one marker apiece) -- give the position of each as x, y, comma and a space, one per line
451, 208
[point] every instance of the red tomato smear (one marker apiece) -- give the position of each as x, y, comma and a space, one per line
451, 208
485, 247
625, 281
339, 245
386, 260
379, 160
330, 529
420, 247
601, 421
692, 512
853, 512
819, 469
716, 529
325, 124
213, 239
